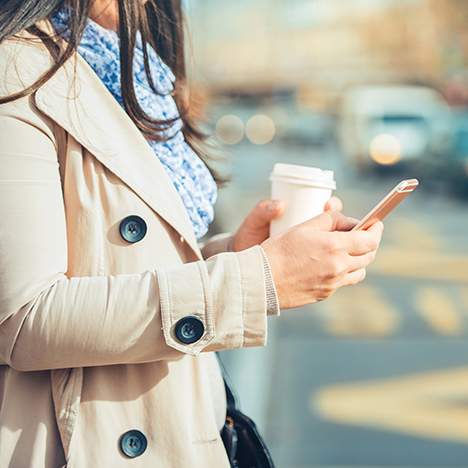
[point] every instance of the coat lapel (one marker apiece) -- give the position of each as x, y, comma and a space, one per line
77, 100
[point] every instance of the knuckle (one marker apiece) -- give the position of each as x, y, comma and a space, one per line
324, 294
331, 292
339, 268
332, 244
332, 270
331, 288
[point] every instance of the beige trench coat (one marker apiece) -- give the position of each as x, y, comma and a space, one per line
88, 349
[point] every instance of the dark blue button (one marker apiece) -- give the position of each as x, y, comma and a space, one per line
133, 443
188, 330
132, 228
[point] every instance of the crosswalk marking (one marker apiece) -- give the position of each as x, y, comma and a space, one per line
439, 311
429, 405
464, 294
362, 311
365, 311
416, 252
414, 235
419, 264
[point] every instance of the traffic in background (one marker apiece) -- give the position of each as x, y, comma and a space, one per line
377, 375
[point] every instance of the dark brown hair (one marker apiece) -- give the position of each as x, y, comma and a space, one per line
161, 24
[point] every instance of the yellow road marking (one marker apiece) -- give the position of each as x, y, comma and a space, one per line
411, 234
361, 311
430, 405
439, 311
413, 251
414, 263
464, 293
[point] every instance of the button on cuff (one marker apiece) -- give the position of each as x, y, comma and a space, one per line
189, 330
187, 333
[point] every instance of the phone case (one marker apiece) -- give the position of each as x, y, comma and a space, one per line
388, 204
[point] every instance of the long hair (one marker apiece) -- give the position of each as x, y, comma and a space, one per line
161, 24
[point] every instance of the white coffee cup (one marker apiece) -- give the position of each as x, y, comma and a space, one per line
305, 191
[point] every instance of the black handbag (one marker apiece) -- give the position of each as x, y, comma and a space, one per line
244, 445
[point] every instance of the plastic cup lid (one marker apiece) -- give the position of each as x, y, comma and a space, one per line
304, 173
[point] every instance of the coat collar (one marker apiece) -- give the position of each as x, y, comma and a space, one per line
77, 100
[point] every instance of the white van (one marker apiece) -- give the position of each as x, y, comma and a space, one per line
387, 125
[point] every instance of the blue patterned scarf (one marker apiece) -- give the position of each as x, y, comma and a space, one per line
190, 176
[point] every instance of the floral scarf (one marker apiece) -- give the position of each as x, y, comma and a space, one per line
191, 178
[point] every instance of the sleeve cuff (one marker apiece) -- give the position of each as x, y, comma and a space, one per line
226, 293
270, 288
254, 305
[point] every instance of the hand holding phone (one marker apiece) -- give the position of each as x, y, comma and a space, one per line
388, 204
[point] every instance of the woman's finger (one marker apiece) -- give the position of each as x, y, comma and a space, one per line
354, 277
362, 242
263, 213
377, 226
358, 262
334, 204
331, 221
345, 223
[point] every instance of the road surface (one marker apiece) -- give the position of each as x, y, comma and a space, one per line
376, 376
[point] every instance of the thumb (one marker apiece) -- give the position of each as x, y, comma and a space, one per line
332, 221
264, 212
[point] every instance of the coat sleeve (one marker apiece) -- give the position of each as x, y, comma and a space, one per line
49, 320
222, 243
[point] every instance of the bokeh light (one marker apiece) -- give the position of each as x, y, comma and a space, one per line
260, 129
377, 91
230, 129
385, 149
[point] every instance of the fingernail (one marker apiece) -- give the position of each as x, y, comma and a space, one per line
273, 205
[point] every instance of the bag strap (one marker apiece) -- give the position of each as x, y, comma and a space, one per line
230, 398
256, 445
231, 401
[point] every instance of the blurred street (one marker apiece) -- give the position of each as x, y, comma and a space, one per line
378, 374
376, 90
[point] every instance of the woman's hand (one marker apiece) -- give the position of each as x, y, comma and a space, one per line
311, 261
256, 227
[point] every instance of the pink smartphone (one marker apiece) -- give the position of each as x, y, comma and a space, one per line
388, 204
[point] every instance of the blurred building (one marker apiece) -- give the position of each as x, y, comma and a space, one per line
321, 46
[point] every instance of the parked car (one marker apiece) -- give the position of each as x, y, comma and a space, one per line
391, 125
458, 164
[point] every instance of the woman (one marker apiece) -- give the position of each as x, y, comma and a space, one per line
110, 311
